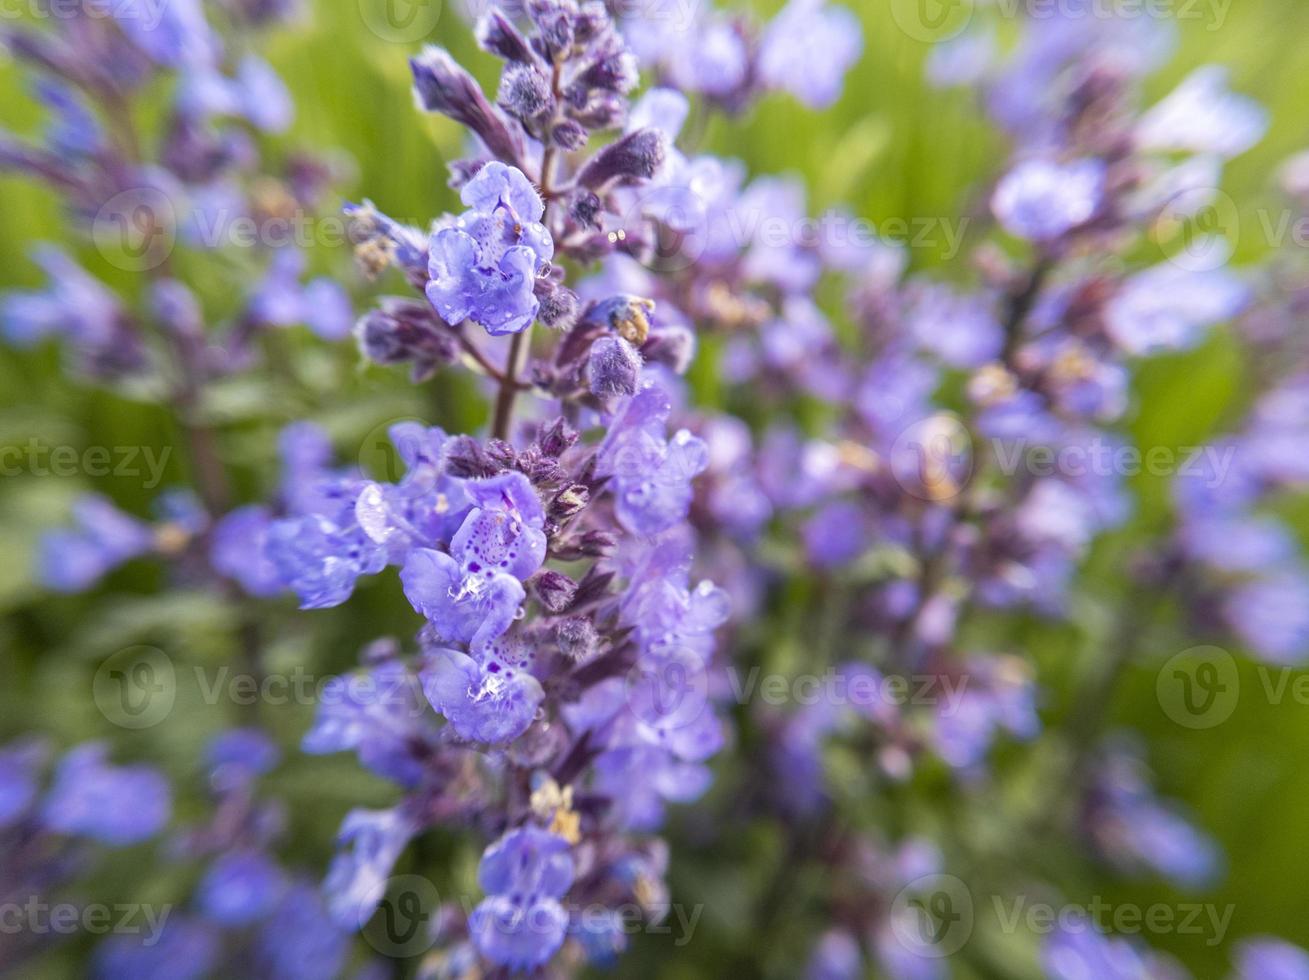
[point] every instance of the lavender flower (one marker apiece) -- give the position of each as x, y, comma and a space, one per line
521, 923
483, 268
117, 805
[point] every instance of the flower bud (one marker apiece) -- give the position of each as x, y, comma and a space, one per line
555, 590
614, 367
525, 92
637, 156
501, 38
442, 85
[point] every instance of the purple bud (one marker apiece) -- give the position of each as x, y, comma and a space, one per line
554, 22
577, 639
672, 346
556, 438
597, 110
559, 305
442, 85
614, 367
555, 590
585, 209
498, 36
569, 134
176, 308
403, 330
615, 72
569, 502
637, 156
466, 459
592, 544
525, 92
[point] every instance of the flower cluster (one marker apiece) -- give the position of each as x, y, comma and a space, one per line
896, 490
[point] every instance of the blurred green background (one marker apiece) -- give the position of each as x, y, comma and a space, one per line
892, 148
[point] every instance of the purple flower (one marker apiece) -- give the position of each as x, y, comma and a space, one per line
484, 267
1266, 958
708, 55
958, 328
369, 843
808, 48
465, 607
74, 130
174, 34
1270, 614
245, 751
237, 550
117, 805
426, 508
281, 301
1136, 831
376, 714
19, 762
996, 694
492, 699
521, 923
1076, 951
1167, 307
651, 475
240, 887
836, 535
183, 949
103, 538
1040, 200
75, 305
836, 957
1202, 116
473, 593
321, 560
299, 941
